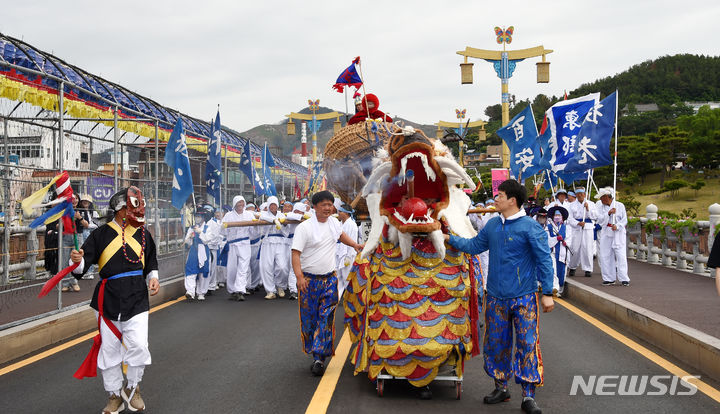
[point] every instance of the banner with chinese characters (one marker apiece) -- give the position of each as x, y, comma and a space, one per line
498, 176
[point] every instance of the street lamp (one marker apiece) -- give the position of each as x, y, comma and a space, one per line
315, 120
459, 130
504, 62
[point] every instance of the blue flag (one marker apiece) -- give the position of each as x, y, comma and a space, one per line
176, 157
213, 168
246, 166
349, 77
267, 163
521, 136
564, 120
592, 148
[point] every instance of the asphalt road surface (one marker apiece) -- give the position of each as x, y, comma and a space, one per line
245, 357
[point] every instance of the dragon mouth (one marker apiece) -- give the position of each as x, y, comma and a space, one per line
416, 191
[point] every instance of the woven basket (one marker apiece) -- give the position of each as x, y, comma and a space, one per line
348, 160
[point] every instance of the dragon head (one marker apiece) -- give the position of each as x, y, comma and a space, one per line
413, 190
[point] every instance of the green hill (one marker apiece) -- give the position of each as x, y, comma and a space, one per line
276, 134
665, 81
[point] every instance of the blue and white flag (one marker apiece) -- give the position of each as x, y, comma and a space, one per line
592, 148
246, 166
176, 157
521, 137
213, 168
267, 163
564, 120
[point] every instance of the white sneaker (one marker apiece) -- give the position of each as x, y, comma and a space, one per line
281, 293
189, 296
270, 296
201, 297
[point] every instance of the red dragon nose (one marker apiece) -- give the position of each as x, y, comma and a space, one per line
413, 206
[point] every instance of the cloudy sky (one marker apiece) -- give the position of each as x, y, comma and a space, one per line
260, 60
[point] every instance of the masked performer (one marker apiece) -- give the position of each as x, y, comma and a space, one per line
125, 254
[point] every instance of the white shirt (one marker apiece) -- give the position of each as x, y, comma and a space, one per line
317, 251
577, 212
350, 228
235, 233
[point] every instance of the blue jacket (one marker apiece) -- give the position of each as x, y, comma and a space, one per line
519, 256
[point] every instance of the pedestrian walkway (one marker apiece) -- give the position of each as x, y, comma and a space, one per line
681, 296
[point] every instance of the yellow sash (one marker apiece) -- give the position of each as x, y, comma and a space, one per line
116, 244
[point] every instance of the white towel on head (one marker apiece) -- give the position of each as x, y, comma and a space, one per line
236, 200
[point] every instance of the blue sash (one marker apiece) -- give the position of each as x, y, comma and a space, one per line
126, 274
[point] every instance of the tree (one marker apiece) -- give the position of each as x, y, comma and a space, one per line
494, 112
670, 142
674, 186
697, 185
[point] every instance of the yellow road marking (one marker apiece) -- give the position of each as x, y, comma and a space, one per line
324, 391
66, 345
652, 356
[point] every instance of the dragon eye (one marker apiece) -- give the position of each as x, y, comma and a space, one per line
134, 202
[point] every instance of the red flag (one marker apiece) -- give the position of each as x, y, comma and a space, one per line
53, 281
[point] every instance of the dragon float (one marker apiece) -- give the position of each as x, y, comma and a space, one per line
411, 302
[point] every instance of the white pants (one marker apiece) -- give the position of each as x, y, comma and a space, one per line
292, 279
273, 266
238, 267
342, 279
613, 261
133, 351
255, 277
582, 246
212, 277
196, 284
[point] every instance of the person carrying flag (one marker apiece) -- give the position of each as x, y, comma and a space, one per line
581, 227
125, 254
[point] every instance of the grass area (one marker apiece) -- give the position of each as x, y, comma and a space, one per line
685, 199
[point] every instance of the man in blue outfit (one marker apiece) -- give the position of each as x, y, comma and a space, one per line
519, 259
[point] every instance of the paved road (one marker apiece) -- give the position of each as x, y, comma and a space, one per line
229, 357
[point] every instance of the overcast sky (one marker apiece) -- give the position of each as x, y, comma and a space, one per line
260, 60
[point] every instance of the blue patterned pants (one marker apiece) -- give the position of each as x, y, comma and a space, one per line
317, 315
502, 317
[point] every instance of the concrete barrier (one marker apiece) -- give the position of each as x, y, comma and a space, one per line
697, 349
33, 336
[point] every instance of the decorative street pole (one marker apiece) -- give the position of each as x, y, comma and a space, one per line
460, 130
315, 120
504, 62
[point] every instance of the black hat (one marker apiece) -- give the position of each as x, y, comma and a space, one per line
562, 210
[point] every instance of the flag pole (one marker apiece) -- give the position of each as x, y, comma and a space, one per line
346, 104
616, 151
362, 78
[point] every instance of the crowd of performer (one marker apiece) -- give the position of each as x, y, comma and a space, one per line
579, 230
246, 248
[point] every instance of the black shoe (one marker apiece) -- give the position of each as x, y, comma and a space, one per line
530, 406
209, 293
189, 297
626, 284
221, 285
233, 296
292, 296
317, 368
571, 272
607, 283
250, 291
588, 274
497, 396
425, 393
240, 297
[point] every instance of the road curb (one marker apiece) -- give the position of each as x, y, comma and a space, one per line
28, 338
693, 347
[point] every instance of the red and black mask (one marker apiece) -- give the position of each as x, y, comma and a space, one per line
135, 204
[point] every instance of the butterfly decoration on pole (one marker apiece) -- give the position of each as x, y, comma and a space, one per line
504, 36
460, 114
314, 105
